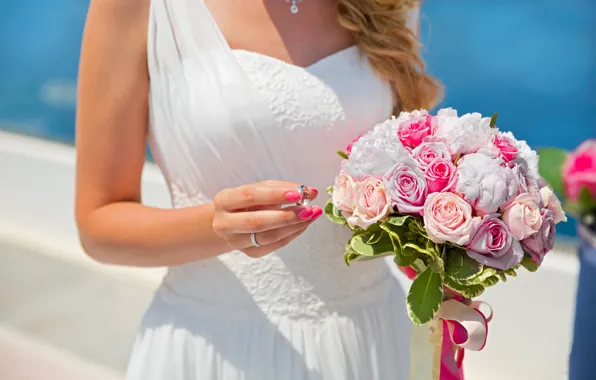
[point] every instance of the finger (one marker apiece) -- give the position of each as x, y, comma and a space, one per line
312, 192
267, 249
264, 220
259, 194
269, 237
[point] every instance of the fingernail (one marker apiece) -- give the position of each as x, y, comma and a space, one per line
314, 192
292, 196
316, 213
305, 214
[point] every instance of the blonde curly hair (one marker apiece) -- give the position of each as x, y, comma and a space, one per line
379, 29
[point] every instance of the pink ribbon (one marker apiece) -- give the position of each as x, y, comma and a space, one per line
464, 327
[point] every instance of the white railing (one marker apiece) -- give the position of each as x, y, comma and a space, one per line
529, 337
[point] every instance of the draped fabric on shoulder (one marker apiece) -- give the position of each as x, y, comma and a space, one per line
190, 61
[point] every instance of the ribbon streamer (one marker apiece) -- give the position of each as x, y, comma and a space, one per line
437, 348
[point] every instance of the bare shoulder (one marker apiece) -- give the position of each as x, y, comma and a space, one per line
124, 18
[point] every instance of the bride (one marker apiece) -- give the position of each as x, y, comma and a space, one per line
243, 101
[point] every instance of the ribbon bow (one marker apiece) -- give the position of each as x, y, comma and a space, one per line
457, 327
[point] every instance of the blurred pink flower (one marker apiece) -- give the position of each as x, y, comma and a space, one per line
580, 170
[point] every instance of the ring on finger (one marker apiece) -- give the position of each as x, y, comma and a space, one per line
304, 196
253, 239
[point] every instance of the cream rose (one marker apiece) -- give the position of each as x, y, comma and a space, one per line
447, 217
552, 202
522, 216
372, 204
344, 193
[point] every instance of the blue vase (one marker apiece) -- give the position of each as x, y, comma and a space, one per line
583, 350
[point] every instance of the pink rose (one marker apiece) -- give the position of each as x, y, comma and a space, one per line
411, 132
407, 187
539, 244
506, 146
349, 146
552, 202
580, 170
372, 203
493, 245
344, 193
522, 216
448, 217
426, 152
440, 175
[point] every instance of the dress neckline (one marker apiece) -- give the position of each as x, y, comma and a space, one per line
338, 54
225, 42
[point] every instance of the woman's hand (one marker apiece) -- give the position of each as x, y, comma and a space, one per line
257, 208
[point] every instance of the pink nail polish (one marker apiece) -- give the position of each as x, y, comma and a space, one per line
292, 196
314, 192
316, 213
305, 214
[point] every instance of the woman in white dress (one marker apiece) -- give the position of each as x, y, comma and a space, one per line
241, 102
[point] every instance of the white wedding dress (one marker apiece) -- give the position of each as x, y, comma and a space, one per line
223, 118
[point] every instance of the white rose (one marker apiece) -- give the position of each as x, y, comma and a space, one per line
376, 152
485, 183
465, 134
552, 202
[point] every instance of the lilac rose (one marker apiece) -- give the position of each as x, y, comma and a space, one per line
407, 187
540, 243
493, 245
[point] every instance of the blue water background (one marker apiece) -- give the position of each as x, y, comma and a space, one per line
532, 61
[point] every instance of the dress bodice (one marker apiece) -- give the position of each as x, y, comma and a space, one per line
223, 118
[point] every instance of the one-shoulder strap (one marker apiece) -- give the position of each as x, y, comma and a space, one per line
190, 61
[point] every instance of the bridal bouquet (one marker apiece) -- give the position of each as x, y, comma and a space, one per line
450, 197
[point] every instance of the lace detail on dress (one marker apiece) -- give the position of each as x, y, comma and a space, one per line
297, 98
306, 280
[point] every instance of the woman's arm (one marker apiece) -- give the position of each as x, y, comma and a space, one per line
111, 134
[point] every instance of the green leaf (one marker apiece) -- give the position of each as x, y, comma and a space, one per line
398, 220
351, 256
468, 291
460, 266
374, 237
343, 155
381, 246
550, 166
333, 213
330, 190
586, 201
502, 276
491, 281
493, 120
511, 272
437, 265
529, 264
405, 253
425, 297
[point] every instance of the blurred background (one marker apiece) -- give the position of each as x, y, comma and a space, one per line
64, 317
